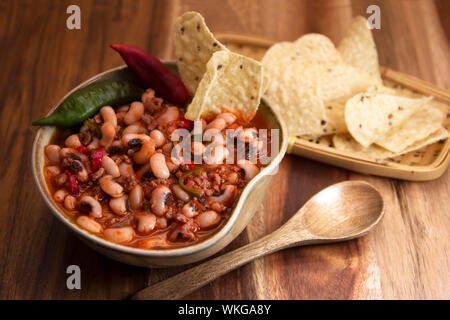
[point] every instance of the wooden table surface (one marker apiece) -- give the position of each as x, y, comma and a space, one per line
405, 257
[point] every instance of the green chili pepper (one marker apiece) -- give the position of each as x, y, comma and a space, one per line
197, 171
87, 101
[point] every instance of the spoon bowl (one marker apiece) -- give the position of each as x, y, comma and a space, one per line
345, 210
340, 212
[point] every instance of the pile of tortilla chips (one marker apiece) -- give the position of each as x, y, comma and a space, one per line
321, 90
318, 89
219, 80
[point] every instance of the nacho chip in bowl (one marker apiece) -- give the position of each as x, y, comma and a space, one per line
194, 46
232, 83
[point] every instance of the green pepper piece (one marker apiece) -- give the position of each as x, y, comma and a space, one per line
196, 171
87, 101
94, 128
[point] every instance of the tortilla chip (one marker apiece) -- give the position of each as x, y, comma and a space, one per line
324, 141
358, 49
421, 124
370, 116
194, 46
232, 83
304, 74
346, 143
335, 114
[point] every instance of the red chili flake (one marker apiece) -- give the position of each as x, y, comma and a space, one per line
188, 179
72, 183
206, 120
185, 123
85, 150
97, 157
190, 166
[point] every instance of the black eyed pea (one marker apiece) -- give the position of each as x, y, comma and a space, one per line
158, 202
91, 205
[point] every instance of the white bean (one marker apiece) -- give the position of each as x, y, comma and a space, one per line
218, 155
70, 202
126, 169
228, 117
108, 134
60, 195
180, 193
146, 222
119, 205
109, 115
207, 219
52, 153
135, 113
52, 171
137, 127
158, 137
119, 235
111, 187
110, 166
136, 197
158, 166
171, 114
72, 141
89, 224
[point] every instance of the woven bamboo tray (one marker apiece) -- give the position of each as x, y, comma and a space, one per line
424, 164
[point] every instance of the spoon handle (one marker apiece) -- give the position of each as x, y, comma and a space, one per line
187, 281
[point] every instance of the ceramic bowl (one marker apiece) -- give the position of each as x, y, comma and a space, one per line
248, 202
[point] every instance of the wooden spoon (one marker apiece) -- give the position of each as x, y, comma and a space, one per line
340, 212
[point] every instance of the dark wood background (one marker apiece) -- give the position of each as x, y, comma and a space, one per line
407, 256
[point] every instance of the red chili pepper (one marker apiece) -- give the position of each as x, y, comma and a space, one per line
153, 73
72, 183
85, 150
97, 157
185, 123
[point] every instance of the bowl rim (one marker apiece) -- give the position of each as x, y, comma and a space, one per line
41, 184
